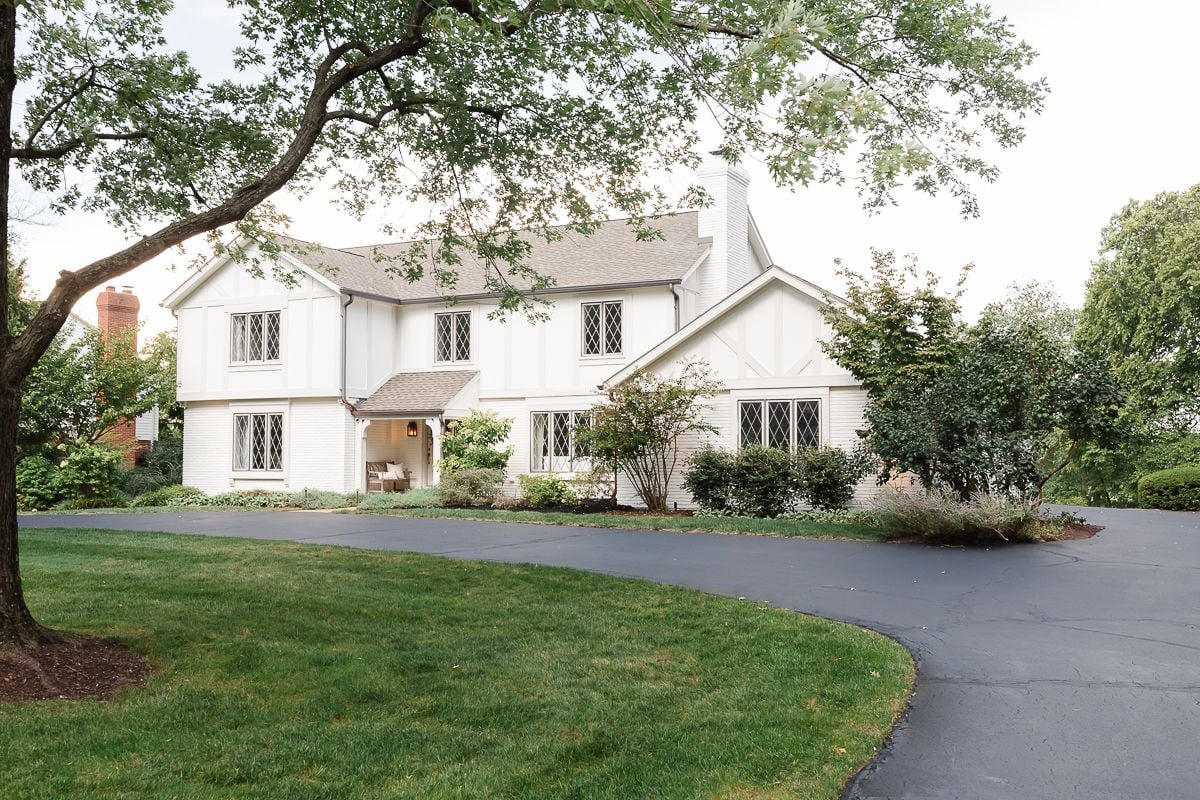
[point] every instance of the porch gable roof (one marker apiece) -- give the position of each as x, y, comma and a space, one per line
415, 393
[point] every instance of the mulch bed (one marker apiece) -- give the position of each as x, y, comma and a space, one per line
1078, 530
70, 669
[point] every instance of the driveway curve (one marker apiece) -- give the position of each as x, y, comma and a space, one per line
1066, 670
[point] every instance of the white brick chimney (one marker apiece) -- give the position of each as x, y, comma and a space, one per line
727, 221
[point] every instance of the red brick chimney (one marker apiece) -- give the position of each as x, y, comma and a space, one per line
116, 312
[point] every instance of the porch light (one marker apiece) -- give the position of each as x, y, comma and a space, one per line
412, 430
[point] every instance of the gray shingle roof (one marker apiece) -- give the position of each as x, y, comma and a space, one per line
612, 255
416, 392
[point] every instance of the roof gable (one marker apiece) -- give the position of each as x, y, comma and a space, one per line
773, 275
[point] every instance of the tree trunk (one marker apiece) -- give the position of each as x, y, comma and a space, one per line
17, 626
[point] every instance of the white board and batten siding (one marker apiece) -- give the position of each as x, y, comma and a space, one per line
765, 347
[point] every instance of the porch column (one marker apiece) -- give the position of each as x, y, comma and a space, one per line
435, 430
360, 454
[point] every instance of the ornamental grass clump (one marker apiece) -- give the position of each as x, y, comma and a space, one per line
938, 517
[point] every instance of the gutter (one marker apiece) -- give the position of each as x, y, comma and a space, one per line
345, 305
596, 287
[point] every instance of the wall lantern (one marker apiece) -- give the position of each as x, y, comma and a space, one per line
412, 430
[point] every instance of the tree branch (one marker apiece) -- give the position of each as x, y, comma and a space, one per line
30, 153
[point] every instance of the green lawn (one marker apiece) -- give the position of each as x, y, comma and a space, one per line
297, 671
770, 527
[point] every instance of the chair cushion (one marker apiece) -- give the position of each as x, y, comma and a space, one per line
388, 476
396, 469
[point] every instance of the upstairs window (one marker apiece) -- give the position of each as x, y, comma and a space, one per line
602, 329
254, 338
258, 442
452, 335
554, 446
779, 423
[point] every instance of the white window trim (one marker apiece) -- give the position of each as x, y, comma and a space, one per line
259, 474
763, 400
603, 356
454, 341
257, 364
575, 463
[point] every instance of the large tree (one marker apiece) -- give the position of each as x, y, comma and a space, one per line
1143, 308
500, 114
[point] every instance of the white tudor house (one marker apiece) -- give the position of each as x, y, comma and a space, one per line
303, 386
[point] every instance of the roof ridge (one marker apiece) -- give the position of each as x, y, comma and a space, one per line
517, 230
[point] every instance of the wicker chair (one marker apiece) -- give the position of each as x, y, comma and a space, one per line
376, 483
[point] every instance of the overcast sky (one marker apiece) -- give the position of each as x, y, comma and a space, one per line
1122, 122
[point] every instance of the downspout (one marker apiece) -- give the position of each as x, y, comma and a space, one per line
345, 305
675, 296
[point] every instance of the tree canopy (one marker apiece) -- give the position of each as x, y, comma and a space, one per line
1143, 307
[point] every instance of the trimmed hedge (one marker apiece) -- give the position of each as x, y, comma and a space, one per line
1175, 489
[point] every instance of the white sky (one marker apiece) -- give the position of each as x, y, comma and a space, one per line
1122, 122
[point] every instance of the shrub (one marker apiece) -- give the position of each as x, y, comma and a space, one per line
471, 443
37, 487
765, 482
708, 477
540, 491
470, 487
140, 481
90, 477
827, 475
423, 497
937, 516
1175, 489
166, 496
262, 498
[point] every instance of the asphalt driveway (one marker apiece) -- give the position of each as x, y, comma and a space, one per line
1069, 670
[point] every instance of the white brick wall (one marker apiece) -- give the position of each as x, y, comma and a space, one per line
318, 451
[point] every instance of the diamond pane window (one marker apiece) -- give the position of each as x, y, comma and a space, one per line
237, 339
462, 337
275, 442
553, 441
779, 424
452, 336
258, 442
241, 441
561, 441
602, 329
593, 329
539, 451
254, 338
808, 423
750, 425
271, 337
612, 328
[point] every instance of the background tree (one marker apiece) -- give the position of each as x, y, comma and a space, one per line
1143, 307
159, 356
637, 431
1142, 314
501, 115
1001, 406
80, 389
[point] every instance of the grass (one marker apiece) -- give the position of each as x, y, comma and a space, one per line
669, 522
297, 671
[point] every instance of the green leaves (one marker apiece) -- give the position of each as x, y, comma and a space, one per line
1142, 311
998, 406
503, 115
